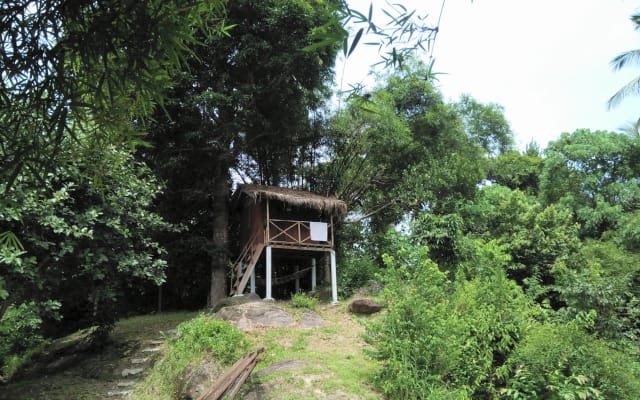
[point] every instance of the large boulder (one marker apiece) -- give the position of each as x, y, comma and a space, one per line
364, 306
234, 301
256, 315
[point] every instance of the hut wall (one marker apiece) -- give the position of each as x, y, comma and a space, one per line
253, 220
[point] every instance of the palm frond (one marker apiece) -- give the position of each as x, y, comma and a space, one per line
628, 57
631, 88
635, 18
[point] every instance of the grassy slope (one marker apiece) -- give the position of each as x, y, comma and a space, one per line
335, 365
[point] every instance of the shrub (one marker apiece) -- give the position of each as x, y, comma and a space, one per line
356, 271
480, 336
442, 338
563, 361
20, 334
203, 334
301, 300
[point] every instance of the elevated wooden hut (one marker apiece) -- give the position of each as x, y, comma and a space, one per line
274, 219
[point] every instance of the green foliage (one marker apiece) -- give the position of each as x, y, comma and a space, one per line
357, 270
480, 336
594, 174
205, 334
562, 361
602, 278
535, 237
441, 336
20, 334
88, 67
301, 300
87, 237
486, 125
517, 171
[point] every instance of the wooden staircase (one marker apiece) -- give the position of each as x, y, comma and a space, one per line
244, 266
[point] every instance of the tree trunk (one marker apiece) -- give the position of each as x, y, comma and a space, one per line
220, 260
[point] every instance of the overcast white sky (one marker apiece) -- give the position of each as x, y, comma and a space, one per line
545, 61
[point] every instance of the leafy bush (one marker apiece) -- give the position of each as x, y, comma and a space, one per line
443, 338
356, 271
203, 334
301, 300
562, 361
480, 336
20, 334
604, 278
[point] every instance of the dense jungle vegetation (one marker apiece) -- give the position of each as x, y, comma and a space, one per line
506, 273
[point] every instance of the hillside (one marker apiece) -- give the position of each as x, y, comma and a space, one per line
298, 363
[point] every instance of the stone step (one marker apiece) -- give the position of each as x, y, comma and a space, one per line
118, 393
155, 342
131, 371
151, 349
139, 360
125, 384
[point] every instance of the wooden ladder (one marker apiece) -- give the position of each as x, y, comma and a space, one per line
243, 267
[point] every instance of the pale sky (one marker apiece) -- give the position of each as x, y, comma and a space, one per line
545, 61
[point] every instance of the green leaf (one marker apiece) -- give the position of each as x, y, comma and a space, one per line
10, 240
355, 41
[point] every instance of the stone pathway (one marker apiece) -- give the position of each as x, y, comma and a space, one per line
134, 366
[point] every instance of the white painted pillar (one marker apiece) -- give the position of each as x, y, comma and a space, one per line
252, 282
297, 279
313, 274
334, 278
268, 275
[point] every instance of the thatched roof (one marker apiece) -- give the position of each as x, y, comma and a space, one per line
298, 198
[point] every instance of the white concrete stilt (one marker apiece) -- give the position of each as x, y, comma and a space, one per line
268, 275
334, 278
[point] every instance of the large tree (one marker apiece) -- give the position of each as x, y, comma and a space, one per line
242, 106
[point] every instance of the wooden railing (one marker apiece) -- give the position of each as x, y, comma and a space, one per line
296, 233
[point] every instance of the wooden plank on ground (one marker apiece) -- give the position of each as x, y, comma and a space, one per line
231, 381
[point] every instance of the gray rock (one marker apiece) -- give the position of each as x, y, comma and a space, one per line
364, 306
234, 301
259, 314
310, 320
195, 380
